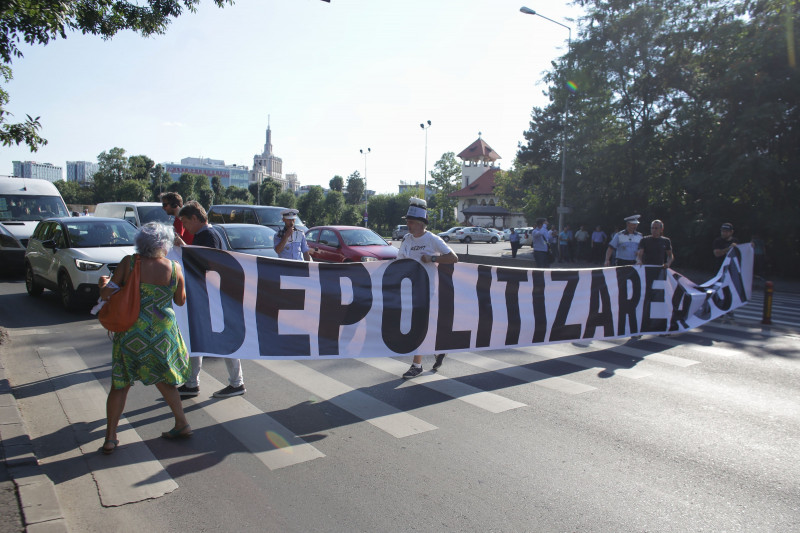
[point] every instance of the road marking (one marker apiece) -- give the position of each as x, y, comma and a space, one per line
488, 401
570, 356
132, 474
381, 415
523, 374
648, 355
266, 438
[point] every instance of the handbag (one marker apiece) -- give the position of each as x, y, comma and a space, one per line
121, 311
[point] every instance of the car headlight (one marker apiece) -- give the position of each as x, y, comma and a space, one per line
84, 265
365, 259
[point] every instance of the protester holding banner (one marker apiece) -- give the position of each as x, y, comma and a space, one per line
195, 220
625, 243
291, 242
655, 249
151, 350
723, 244
421, 245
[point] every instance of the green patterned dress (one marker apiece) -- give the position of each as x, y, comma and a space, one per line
153, 350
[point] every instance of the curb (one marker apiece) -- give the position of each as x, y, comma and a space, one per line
36, 493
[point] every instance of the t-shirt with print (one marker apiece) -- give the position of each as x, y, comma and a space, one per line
426, 244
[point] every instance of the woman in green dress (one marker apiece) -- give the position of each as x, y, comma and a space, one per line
152, 350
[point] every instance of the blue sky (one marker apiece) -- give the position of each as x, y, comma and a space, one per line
334, 78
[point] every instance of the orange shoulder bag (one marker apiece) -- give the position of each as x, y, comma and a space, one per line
121, 311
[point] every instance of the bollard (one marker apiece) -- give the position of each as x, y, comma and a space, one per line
766, 317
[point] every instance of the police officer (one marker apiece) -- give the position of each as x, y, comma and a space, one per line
290, 241
625, 243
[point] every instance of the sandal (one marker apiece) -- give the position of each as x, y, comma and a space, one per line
178, 433
109, 451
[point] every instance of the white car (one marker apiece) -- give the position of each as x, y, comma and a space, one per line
69, 254
497, 232
470, 234
450, 234
399, 232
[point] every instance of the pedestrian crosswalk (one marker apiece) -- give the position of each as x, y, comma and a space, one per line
785, 309
463, 383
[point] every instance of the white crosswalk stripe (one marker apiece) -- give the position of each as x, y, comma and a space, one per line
121, 478
381, 415
488, 401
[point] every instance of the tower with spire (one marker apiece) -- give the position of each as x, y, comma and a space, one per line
268, 165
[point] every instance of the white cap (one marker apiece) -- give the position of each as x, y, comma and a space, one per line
289, 213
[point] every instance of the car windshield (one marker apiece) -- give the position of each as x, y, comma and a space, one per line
95, 234
249, 238
154, 213
31, 207
362, 237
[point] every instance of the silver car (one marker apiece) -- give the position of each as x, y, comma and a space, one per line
476, 234
450, 234
399, 232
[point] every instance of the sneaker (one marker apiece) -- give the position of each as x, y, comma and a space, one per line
439, 361
413, 372
188, 392
229, 391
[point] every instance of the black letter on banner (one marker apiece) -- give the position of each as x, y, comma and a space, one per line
599, 299
562, 331
627, 306
446, 338
334, 313
485, 313
197, 261
736, 274
681, 302
393, 338
651, 274
512, 277
539, 306
271, 299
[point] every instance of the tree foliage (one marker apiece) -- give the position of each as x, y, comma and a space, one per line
336, 183
355, 189
680, 110
445, 179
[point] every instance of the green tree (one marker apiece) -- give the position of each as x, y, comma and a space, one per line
134, 191
445, 179
187, 186
69, 190
355, 189
112, 172
286, 199
160, 180
238, 195
336, 183
312, 206
334, 207
268, 190
40, 21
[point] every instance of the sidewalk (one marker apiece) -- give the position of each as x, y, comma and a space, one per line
28, 500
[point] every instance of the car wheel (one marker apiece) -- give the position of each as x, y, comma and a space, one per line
494, 240
467, 239
68, 297
30, 283
445, 238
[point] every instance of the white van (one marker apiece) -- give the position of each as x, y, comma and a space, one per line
23, 203
138, 213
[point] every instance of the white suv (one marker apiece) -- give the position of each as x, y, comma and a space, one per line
68, 255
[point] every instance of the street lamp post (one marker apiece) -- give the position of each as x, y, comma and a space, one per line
425, 180
366, 191
562, 207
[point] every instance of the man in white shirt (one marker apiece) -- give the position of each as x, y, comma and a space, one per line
423, 246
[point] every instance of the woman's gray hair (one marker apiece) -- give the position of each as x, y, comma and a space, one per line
154, 239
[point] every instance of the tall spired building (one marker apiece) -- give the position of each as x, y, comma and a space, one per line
268, 165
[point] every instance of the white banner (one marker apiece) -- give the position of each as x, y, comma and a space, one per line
249, 307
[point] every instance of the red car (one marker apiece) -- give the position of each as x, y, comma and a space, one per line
345, 244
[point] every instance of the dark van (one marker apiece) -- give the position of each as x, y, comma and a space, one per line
265, 215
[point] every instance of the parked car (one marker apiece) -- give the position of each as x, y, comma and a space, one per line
506, 233
250, 239
399, 232
450, 234
69, 254
344, 244
525, 238
264, 215
497, 232
476, 234
137, 213
24, 203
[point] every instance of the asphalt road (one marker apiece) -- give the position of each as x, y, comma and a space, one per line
696, 432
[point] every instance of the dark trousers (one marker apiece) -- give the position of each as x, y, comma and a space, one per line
542, 259
625, 262
514, 247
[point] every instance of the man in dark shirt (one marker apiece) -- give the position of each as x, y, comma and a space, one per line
195, 221
655, 249
723, 244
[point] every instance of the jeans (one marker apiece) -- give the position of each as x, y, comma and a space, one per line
235, 378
